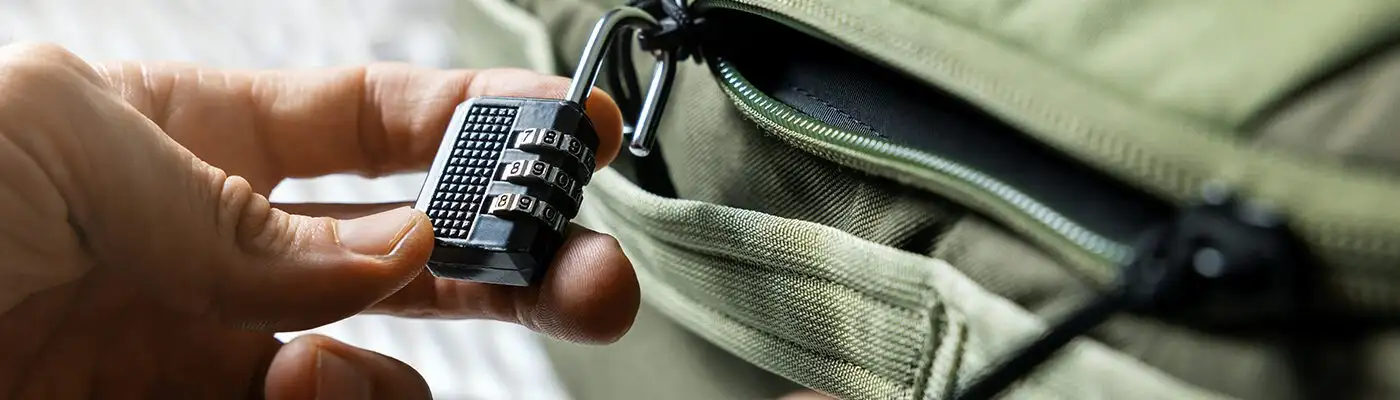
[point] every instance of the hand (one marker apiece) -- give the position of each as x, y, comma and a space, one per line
140, 258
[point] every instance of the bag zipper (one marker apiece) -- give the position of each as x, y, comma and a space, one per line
1094, 255
1091, 254
818, 137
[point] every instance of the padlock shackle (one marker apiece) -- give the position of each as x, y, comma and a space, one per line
604, 34
663, 72
615, 22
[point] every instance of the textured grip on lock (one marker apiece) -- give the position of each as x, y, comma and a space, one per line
507, 180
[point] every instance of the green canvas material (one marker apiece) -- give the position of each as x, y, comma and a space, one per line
1170, 54
802, 300
1161, 152
866, 283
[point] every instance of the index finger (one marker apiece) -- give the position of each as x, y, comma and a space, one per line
370, 120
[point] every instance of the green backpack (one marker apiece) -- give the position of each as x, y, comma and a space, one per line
894, 199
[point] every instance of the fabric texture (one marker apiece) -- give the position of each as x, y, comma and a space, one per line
659, 359
1176, 54
805, 301
852, 281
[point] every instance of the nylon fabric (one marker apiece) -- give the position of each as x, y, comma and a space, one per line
658, 359
1160, 152
703, 252
853, 332
1084, 121
752, 284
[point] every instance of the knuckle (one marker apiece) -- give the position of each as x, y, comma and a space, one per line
33, 70
47, 58
257, 228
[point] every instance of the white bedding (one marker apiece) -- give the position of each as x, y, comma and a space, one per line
462, 359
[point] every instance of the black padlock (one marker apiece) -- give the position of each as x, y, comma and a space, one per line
509, 173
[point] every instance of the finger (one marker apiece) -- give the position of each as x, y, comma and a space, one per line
201, 240
338, 210
371, 120
589, 295
318, 367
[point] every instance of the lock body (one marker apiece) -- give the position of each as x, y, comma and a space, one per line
507, 179
510, 172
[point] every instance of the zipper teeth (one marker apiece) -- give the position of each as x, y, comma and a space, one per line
780, 118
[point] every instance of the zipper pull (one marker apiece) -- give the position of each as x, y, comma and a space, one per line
1226, 265
679, 31
1222, 264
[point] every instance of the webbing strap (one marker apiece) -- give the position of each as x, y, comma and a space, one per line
838, 313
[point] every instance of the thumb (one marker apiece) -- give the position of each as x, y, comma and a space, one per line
318, 367
208, 245
231, 256
293, 272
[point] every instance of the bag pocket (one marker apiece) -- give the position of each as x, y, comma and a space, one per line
836, 312
1078, 172
832, 101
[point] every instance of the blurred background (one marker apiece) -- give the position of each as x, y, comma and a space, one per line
460, 359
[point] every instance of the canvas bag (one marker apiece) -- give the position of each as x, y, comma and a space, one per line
878, 199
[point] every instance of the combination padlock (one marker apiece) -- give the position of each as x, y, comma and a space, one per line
509, 174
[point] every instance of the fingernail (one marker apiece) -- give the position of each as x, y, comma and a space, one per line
337, 378
377, 234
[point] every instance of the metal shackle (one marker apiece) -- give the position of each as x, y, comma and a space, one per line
619, 21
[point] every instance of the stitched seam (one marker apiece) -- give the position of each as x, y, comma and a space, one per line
764, 263
843, 113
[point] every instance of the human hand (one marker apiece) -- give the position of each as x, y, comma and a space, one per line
139, 256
